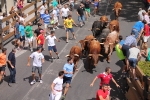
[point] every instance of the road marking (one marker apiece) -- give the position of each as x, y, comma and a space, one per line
48, 68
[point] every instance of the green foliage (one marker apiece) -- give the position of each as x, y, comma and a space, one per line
145, 67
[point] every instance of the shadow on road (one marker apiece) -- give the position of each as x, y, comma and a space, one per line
91, 99
28, 78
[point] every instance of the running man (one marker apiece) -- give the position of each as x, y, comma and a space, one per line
80, 13
56, 87
105, 78
51, 44
38, 59
87, 8
64, 12
68, 27
42, 11
68, 70
22, 34
41, 39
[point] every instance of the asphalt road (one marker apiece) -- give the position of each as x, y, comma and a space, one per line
80, 87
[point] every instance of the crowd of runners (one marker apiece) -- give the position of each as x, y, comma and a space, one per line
126, 50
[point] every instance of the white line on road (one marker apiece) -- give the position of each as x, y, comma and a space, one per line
48, 68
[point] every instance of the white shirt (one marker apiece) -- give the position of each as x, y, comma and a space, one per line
42, 9
37, 59
58, 83
51, 40
55, 13
65, 12
21, 19
146, 17
133, 52
140, 15
1, 17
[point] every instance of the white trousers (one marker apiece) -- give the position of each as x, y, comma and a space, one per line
57, 95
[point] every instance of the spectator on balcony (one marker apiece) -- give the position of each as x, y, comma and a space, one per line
20, 4
42, 11
29, 35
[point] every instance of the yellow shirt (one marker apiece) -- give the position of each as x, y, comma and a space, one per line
68, 23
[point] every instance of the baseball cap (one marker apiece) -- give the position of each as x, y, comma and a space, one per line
42, 31
39, 24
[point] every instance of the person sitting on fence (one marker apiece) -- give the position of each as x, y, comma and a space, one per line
134, 57
145, 52
21, 17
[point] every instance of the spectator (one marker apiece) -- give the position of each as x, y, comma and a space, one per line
121, 41
146, 17
20, 4
87, 8
68, 27
29, 35
37, 31
58, 12
46, 20
140, 15
12, 66
17, 35
64, 12
40, 40
105, 78
134, 56
38, 59
55, 3
56, 87
42, 10
22, 34
51, 44
102, 94
80, 13
2, 63
146, 31
68, 70
55, 25
21, 18
145, 52
126, 46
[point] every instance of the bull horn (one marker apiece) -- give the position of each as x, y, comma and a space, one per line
113, 9
120, 8
76, 55
90, 55
94, 39
97, 28
102, 38
67, 56
101, 43
100, 55
85, 40
110, 43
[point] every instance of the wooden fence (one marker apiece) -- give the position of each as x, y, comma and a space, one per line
9, 30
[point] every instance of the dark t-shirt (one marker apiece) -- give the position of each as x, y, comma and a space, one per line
87, 5
17, 28
80, 11
37, 31
12, 59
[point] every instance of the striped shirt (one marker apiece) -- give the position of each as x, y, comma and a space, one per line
129, 40
46, 18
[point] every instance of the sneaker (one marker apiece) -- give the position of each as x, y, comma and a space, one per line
40, 81
57, 57
62, 97
33, 82
58, 24
53, 29
56, 27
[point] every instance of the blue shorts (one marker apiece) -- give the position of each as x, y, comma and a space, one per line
17, 36
136, 32
133, 62
96, 4
67, 79
50, 48
81, 18
41, 15
69, 29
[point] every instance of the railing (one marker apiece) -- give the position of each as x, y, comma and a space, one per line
34, 16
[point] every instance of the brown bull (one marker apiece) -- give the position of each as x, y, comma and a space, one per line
114, 26
104, 19
84, 43
117, 9
75, 53
94, 53
110, 43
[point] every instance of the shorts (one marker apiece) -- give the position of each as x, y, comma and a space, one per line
41, 15
67, 79
124, 61
87, 10
133, 62
17, 36
81, 18
125, 50
57, 95
145, 38
50, 48
69, 29
29, 39
46, 25
64, 17
2, 68
22, 39
38, 68
136, 32
55, 20
96, 4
